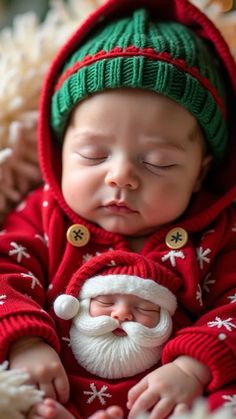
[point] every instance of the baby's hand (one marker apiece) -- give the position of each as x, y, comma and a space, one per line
169, 389
112, 412
50, 409
43, 365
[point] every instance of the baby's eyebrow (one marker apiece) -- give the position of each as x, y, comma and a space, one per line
163, 143
92, 134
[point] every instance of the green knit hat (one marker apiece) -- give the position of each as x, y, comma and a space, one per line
164, 57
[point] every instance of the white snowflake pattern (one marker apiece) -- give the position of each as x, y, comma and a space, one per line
207, 282
232, 298
43, 238
99, 394
19, 251
218, 322
2, 297
199, 295
202, 256
34, 279
172, 255
230, 400
89, 256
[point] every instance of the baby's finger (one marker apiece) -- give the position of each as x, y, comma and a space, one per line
62, 387
41, 410
112, 412
48, 389
180, 408
115, 412
162, 409
135, 392
145, 402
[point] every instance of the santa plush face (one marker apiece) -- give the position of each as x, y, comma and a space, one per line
119, 323
119, 335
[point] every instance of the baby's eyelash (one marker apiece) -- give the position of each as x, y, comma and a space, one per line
167, 166
149, 310
92, 158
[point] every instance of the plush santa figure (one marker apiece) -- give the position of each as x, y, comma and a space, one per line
92, 341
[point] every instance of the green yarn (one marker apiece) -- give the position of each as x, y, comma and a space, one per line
146, 72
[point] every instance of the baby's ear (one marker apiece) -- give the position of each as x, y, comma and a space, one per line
206, 163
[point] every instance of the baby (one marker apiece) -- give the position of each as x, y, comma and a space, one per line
137, 151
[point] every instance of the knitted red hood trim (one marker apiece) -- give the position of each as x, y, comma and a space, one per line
223, 179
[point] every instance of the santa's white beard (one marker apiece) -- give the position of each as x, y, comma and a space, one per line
106, 355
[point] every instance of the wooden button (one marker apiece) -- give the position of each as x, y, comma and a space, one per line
78, 235
176, 238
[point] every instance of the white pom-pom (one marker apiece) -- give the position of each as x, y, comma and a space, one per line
66, 306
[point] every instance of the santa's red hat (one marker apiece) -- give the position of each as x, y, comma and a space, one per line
119, 272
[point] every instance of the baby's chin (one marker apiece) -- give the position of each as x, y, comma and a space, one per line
129, 231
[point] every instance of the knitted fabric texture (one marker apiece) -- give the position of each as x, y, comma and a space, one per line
136, 52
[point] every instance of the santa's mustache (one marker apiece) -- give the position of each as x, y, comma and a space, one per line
138, 333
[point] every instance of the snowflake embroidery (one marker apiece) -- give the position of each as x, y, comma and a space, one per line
2, 297
202, 256
19, 251
43, 238
199, 295
232, 298
218, 322
172, 255
88, 256
231, 400
34, 281
99, 394
208, 281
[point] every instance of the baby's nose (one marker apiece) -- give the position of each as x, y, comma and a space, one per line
122, 175
122, 314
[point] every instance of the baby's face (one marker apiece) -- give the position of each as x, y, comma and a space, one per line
131, 160
125, 307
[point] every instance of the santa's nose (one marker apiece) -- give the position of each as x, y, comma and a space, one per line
121, 313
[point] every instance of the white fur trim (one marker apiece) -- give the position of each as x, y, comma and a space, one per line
66, 306
129, 284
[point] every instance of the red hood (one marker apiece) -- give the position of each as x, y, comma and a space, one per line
221, 183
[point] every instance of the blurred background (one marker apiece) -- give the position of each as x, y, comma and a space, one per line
10, 8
